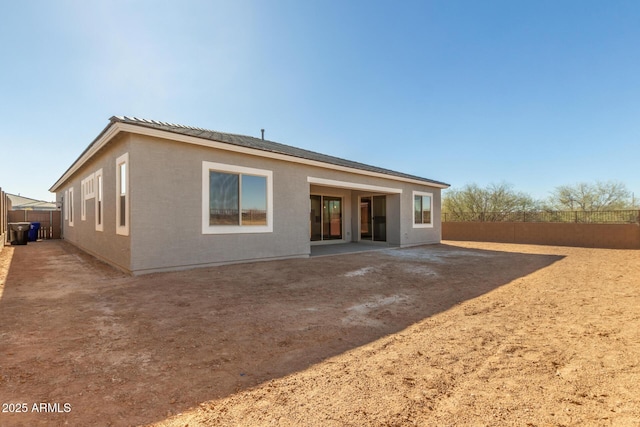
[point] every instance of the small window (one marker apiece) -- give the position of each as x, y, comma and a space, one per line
86, 193
122, 195
99, 203
71, 211
236, 199
83, 195
422, 209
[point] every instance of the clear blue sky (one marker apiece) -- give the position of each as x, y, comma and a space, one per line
534, 93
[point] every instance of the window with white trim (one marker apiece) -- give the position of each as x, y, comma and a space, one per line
71, 212
83, 208
99, 201
236, 199
88, 193
122, 195
422, 209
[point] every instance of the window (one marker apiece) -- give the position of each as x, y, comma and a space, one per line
66, 205
87, 193
236, 199
83, 209
71, 207
122, 195
422, 208
99, 204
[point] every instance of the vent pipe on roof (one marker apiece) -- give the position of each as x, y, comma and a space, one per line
262, 130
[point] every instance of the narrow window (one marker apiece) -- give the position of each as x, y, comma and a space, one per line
71, 207
122, 195
83, 198
99, 204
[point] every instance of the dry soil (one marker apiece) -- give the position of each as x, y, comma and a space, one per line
452, 334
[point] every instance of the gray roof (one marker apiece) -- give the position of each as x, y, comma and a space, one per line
19, 202
241, 141
264, 145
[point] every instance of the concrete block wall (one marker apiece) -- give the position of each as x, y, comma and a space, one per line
610, 236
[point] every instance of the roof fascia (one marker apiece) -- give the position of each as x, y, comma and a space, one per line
158, 133
117, 127
110, 132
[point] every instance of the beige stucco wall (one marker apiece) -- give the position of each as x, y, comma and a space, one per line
411, 235
166, 206
106, 245
165, 182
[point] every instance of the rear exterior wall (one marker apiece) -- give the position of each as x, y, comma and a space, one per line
166, 208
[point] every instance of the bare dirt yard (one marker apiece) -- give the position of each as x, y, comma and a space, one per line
452, 334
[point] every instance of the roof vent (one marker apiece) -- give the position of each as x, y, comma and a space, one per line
262, 130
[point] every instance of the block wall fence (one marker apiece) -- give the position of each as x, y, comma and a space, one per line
610, 236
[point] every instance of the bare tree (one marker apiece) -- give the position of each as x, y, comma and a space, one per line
493, 203
609, 195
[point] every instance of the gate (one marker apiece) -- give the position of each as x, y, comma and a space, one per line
49, 221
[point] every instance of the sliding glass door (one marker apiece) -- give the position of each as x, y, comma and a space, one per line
316, 218
373, 218
366, 220
379, 218
325, 219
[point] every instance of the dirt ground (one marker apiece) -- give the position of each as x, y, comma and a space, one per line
452, 334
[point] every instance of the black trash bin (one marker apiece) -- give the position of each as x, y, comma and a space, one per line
33, 231
20, 231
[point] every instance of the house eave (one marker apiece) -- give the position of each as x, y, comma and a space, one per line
114, 128
103, 139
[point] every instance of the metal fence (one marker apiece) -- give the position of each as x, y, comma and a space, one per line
587, 217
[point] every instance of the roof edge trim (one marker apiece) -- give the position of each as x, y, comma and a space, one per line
101, 140
116, 126
159, 133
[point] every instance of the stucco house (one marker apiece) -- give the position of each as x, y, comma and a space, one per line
149, 196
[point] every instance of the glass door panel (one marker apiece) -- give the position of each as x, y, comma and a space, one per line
315, 218
380, 218
365, 219
332, 218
